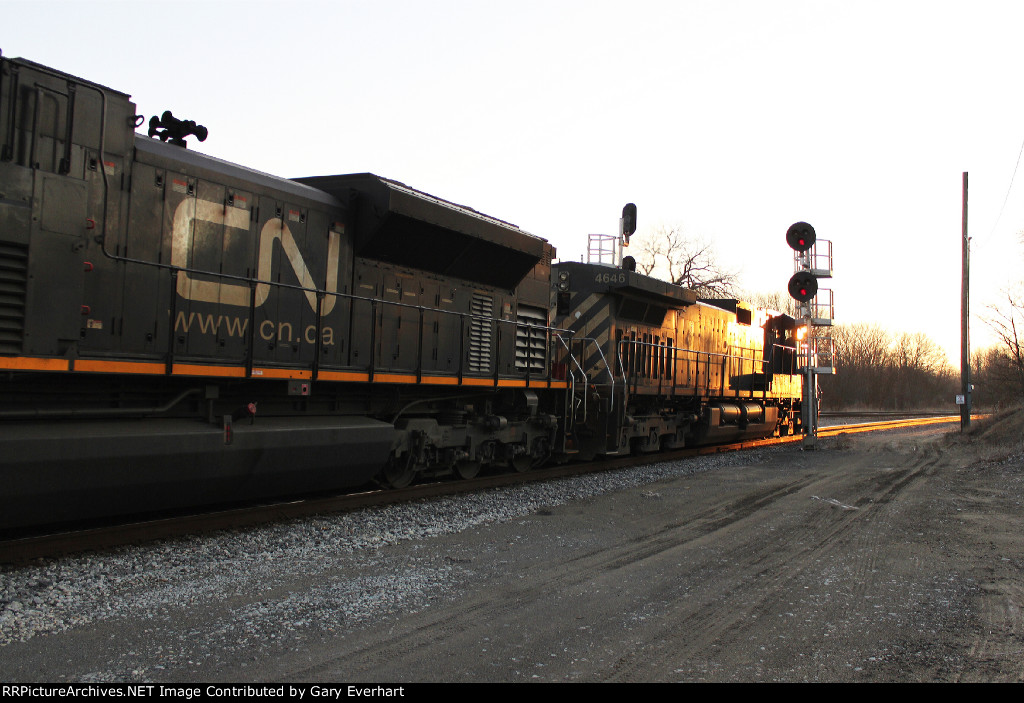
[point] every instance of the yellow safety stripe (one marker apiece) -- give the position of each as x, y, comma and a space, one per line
28, 364
22, 363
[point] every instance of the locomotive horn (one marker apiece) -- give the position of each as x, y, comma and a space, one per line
167, 127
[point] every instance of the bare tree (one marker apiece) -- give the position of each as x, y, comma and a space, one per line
685, 260
995, 379
918, 352
778, 301
862, 352
1008, 324
919, 372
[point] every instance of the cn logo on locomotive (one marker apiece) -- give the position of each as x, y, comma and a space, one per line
193, 210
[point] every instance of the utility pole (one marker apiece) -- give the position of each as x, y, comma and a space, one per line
965, 346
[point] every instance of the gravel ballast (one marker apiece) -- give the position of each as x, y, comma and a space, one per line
243, 572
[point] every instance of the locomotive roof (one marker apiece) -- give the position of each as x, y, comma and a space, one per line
211, 164
393, 222
406, 226
728, 304
631, 283
62, 74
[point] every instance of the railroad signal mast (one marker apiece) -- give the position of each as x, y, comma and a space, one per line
610, 249
812, 260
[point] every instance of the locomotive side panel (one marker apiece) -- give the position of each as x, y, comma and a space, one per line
232, 258
52, 126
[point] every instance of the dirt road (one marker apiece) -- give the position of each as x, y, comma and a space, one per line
879, 560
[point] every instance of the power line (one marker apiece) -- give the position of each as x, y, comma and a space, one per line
1007, 198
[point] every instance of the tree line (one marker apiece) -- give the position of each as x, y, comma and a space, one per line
879, 370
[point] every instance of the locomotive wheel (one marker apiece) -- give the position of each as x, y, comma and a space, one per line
466, 469
398, 474
522, 463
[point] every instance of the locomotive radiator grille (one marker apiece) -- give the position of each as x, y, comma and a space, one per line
530, 343
13, 286
480, 333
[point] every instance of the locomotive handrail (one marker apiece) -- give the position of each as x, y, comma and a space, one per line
611, 374
678, 355
7, 148
374, 302
786, 350
253, 281
421, 309
572, 388
638, 342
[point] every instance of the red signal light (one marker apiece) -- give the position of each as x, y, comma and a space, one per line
800, 236
803, 286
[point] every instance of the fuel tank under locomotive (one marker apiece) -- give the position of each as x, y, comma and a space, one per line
731, 422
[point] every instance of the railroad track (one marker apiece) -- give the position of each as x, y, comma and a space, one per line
833, 430
885, 413
22, 549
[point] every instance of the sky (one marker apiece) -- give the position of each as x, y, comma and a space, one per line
730, 118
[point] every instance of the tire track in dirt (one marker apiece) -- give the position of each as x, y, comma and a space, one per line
540, 580
725, 622
673, 541
989, 500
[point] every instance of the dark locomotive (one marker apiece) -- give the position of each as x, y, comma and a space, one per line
177, 330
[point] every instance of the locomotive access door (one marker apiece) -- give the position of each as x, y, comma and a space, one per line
279, 322
301, 250
147, 289
441, 327
399, 331
54, 255
209, 323
110, 281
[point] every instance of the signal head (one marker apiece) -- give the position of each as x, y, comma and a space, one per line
628, 220
803, 286
800, 236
